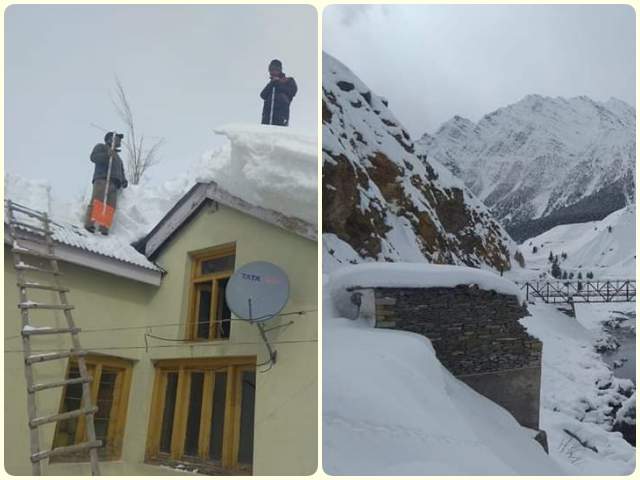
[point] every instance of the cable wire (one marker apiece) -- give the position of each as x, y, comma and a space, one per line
195, 344
158, 325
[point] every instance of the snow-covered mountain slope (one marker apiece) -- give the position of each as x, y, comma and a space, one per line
391, 408
606, 248
384, 202
543, 161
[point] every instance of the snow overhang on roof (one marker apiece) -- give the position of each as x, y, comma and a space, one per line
201, 194
418, 275
107, 254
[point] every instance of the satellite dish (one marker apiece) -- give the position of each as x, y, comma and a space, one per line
257, 291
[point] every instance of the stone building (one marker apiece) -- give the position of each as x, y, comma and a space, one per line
471, 318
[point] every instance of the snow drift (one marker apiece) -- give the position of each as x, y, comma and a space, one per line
391, 408
267, 166
272, 167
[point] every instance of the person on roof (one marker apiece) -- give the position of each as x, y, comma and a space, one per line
107, 163
277, 96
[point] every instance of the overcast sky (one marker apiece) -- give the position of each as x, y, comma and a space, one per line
185, 69
433, 62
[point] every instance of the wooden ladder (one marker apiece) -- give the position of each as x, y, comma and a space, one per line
39, 234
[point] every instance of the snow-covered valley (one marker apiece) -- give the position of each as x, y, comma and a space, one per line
390, 406
602, 249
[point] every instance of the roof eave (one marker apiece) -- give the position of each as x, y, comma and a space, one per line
92, 260
190, 204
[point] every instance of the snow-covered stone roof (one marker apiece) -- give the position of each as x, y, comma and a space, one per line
417, 275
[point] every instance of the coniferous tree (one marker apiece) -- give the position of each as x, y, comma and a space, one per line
556, 272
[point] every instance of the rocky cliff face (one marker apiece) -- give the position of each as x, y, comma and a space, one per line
385, 203
543, 161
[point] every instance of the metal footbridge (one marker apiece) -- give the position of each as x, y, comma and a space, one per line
580, 291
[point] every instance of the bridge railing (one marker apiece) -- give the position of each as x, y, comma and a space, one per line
580, 291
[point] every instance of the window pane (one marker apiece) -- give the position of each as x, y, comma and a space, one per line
219, 264
66, 431
104, 403
223, 313
204, 309
169, 410
217, 417
245, 452
193, 418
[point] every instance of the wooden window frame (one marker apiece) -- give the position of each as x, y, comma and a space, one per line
197, 259
234, 367
119, 406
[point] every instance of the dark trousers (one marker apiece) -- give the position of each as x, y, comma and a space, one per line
99, 186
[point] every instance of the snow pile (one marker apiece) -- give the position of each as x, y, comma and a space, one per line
414, 275
606, 248
579, 396
391, 408
141, 207
271, 167
627, 412
67, 225
35, 194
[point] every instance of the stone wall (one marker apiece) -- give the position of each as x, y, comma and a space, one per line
476, 336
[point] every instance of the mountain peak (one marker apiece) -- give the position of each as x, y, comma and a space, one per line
543, 160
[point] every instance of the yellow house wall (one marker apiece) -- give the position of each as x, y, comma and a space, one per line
285, 435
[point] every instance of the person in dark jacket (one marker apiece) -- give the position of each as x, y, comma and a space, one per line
277, 96
117, 179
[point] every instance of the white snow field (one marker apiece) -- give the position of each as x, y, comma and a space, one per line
391, 408
590, 247
272, 167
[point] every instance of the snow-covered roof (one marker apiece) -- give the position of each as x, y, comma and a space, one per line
77, 238
272, 167
202, 193
417, 275
268, 172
